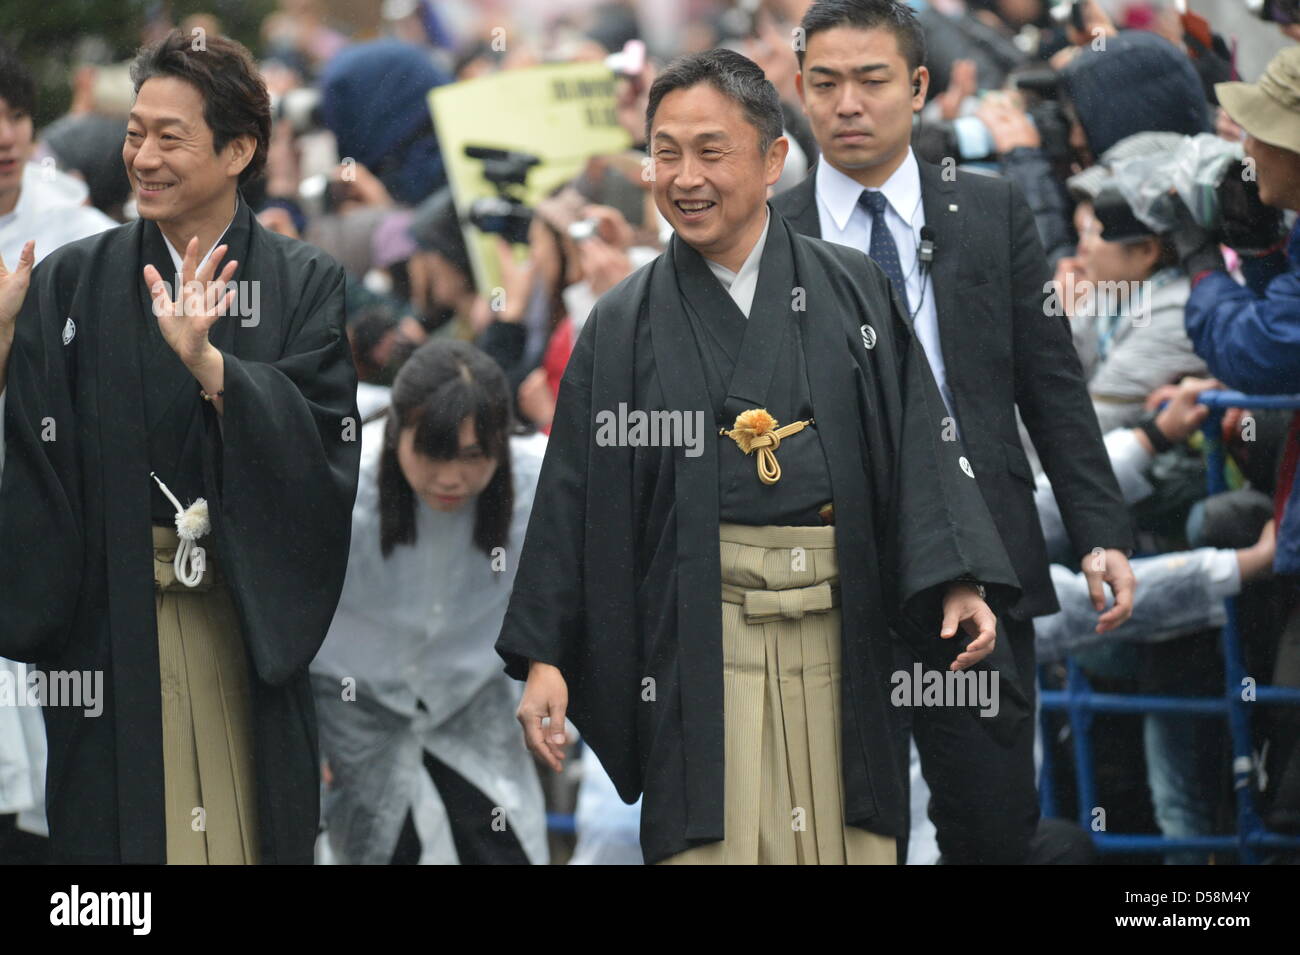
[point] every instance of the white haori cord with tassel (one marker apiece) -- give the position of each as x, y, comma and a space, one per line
191, 524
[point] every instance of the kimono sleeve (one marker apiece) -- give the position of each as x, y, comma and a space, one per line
41, 520
283, 468
945, 531
546, 618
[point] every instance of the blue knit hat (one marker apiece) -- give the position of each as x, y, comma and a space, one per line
1139, 82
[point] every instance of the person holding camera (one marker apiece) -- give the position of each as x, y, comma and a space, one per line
1250, 335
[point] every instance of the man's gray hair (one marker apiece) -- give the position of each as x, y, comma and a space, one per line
734, 76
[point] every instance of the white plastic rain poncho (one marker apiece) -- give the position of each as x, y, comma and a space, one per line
419, 628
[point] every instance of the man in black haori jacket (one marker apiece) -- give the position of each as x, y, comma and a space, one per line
747, 489
179, 468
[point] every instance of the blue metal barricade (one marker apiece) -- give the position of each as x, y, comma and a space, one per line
1079, 702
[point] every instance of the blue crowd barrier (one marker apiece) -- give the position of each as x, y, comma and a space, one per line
1079, 702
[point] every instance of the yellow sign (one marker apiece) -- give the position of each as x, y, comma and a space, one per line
562, 113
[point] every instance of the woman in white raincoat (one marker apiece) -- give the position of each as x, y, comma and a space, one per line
417, 718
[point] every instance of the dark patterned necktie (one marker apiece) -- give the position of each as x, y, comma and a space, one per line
883, 251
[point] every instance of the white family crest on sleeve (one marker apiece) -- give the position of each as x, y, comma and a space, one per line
69, 330
868, 337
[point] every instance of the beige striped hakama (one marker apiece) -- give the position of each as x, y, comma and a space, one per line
210, 797
784, 792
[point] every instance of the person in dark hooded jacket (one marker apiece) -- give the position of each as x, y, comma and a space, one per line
373, 98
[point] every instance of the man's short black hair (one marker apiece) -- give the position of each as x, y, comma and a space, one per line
235, 99
17, 87
735, 76
898, 18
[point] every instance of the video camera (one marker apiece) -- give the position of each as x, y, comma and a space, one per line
1042, 102
504, 214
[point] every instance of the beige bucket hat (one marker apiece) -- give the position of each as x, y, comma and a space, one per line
1270, 109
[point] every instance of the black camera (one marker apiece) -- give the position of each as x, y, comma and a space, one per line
1041, 88
504, 214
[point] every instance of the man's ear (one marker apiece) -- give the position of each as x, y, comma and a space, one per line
776, 154
798, 86
920, 85
242, 149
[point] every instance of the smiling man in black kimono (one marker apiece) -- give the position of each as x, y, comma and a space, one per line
717, 620
117, 384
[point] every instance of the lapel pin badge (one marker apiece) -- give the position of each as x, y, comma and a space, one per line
69, 331
868, 337
952, 207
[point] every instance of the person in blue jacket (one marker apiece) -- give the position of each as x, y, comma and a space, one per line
1250, 335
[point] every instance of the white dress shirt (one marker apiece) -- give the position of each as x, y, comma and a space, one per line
742, 285
845, 222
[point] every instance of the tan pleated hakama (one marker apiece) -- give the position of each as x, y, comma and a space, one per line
210, 798
784, 799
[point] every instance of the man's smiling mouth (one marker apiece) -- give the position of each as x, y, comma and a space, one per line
694, 207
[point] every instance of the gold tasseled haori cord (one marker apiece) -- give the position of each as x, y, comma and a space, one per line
756, 430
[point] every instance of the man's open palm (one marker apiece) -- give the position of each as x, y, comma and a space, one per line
199, 302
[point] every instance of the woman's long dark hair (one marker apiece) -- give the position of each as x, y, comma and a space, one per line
440, 385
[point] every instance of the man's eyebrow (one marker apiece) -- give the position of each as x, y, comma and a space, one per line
710, 135
864, 68
161, 121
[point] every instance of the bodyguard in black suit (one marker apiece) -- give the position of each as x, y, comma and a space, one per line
978, 305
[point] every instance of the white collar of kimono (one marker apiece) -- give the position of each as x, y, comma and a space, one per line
176, 256
742, 285
840, 193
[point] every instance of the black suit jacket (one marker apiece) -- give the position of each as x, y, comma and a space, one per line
1002, 350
